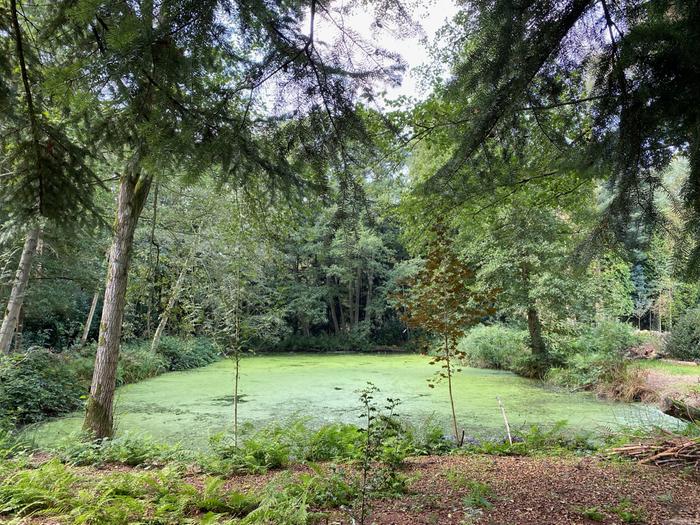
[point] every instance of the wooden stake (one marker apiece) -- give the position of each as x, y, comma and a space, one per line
505, 419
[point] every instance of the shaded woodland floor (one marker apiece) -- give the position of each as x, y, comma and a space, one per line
519, 491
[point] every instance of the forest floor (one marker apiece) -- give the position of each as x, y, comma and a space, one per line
510, 491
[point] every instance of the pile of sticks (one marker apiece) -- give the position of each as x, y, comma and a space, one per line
675, 451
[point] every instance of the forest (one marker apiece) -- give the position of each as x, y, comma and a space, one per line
349, 262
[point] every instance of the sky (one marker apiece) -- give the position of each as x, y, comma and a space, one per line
431, 15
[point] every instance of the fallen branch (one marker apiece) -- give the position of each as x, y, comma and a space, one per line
680, 410
675, 452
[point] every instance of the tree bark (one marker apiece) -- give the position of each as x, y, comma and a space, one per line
681, 410
133, 191
331, 306
88, 321
169, 307
358, 289
19, 287
368, 302
152, 271
534, 327
18, 330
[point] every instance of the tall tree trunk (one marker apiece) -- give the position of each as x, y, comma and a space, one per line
534, 327
18, 330
342, 315
177, 288
368, 302
351, 314
358, 289
331, 306
88, 321
133, 191
19, 287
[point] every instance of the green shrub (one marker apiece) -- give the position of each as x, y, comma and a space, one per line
265, 449
685, 337
127, 449
494, 346
353, 341
606, 337
595, 360
537, 440
334, 442
184, 354
584, 371
480, 495
37, 384
137, 362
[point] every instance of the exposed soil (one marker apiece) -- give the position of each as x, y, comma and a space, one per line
526, 491
685, 388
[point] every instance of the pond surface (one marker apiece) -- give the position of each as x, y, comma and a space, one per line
188, 407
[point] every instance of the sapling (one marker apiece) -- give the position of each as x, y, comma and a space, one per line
441, 301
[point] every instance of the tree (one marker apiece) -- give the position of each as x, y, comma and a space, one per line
43, 170
520, 214
442, 302
629, 66
174, 87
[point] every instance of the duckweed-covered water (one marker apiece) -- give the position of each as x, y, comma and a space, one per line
190, 406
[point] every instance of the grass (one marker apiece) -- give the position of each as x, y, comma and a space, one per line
669, 367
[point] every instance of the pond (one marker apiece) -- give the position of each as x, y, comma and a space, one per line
190, 406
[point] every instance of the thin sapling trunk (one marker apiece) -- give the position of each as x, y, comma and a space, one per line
88, 321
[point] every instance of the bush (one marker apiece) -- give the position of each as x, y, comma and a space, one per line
354, 341
583, 371
685, 337
184, 354
607, 337
36, 385
137, 362
494, 346
127, 450
595, 360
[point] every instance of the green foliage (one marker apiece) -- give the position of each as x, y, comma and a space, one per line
586, 370
685, 337
335, 441
126, 449
595, 359
37, 384
592, 513
537, 440
606, 337
188, 353
117, 498
47, 489
353, 341
494, 346
628, 512
137, 362
479, 496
